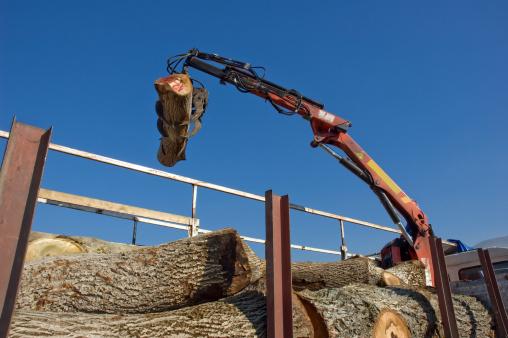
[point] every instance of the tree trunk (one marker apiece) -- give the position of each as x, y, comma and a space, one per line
174, 110
242, 315
411, 273
182, 273
41, 244
315, 276
360, 310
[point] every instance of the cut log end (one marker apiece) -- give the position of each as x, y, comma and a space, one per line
390, 324
45, 247
179, 84
389, 279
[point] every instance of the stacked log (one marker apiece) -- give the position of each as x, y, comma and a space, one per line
213, 285
178, 274
361, 310
411, 273
316, 276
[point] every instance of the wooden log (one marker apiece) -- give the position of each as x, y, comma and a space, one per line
306, 275
242, 315
182, 273
361, 310
411, 273
41, 244
175, 97
356, 310
315, 276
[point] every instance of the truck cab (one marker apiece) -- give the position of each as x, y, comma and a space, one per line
466, 274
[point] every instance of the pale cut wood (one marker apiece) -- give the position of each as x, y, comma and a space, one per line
83, 201
353, 311
42, 244
182, 273
242, 315
390, 324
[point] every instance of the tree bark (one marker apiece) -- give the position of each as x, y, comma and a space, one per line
359, 310
242, 315
315, 276
411, 273
182, 273
356, 310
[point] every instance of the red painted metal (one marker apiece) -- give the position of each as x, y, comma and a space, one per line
494, 294
278, 267
443, 289
20, 178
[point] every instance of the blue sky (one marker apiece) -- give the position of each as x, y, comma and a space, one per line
424, 83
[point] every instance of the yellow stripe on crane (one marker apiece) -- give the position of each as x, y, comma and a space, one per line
384, 176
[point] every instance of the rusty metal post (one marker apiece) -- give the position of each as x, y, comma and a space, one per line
134, 230
494, 294
343, 247
443, 289
20, 177
278, 267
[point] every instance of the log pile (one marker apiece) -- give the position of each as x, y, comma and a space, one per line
212, 285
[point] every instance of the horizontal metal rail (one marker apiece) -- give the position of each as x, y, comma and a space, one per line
194, 182
137, 214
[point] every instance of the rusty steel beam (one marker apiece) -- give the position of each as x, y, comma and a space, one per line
20, 177
442, 285
494, 294
278, 267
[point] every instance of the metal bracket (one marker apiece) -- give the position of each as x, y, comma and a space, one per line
194, 227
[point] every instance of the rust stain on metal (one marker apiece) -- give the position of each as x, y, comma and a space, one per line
20, 178
278, 267
494, 294
443, 288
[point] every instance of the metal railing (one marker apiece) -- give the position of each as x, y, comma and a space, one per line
193, 227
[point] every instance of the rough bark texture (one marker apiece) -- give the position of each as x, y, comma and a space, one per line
42, 244
175, 97
307, 275
353, 310
242, 315
178, 274
315, 276
411, 273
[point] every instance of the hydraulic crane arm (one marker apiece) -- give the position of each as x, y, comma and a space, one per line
328, 129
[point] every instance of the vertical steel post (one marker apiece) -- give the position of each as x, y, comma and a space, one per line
134, 230
278, 267
494, 294
343, 247
194, 199
193, 228
20, 177
443, 289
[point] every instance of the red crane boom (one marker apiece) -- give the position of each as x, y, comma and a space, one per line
330, 129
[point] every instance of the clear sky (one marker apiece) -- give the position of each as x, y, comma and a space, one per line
424, 83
